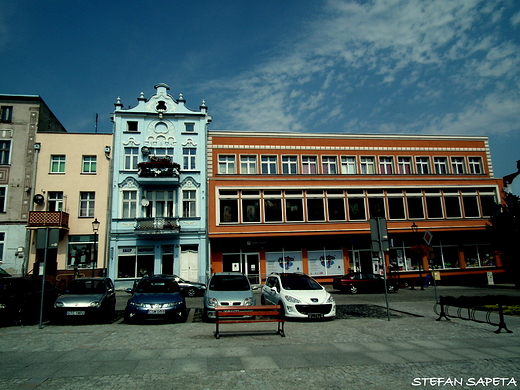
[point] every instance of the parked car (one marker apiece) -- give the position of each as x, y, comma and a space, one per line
188, 289
300, 296
20, 300
227, 289
4, 273
92, 298
156, 297
355, 282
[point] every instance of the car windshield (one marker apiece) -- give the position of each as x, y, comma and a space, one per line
229, 283
161, 286
299, 282
79, 286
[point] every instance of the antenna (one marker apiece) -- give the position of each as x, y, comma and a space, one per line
96, 121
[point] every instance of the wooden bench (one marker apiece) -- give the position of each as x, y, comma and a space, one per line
233, 314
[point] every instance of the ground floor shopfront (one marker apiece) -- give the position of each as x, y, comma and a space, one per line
131, 258
453, 253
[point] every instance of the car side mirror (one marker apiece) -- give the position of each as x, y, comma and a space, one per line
254, 287
129, 290
274, 289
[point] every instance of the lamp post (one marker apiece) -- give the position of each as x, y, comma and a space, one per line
415, 229
95, 228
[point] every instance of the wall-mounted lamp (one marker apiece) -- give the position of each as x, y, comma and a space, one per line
414, 228
107, 152
37, 146
145, 151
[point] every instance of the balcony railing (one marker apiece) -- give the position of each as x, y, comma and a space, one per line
158, 225
158, 167
48, 219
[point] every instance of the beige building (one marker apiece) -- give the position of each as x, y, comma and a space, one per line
21, 118
71, 192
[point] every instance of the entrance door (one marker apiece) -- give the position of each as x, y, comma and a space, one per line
247, 263
189, 264
362, 261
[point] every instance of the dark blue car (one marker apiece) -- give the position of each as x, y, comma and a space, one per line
155, 297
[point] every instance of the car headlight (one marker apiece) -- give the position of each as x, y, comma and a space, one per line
212, 301
95, 304
172, 304
136, 304
330, 299
291, 299
58, 304
248, 302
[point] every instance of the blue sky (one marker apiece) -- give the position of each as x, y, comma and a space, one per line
447, 67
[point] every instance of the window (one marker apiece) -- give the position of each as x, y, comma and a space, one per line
86, 204
386, 165
80, 250
132, 126
55, 201
289, 165
273, 206
188, 155
404, 165
3, 191
356, 209
440, 165
414, 203
315, 206
396, 207
129, 204
475, 165
5, 151
251, 207
57, 164
189, 127
329, 165
228, 210
422, 164
367, 166
309, 165
348, 165
470, 204
6, 115
434, 204
159, 204
457, 165
376, 207
336, 209
2, 240
268, 165
248, 165
161, 152
294, 206
226, 165
452, 203
89, 164
189, 203
131, 158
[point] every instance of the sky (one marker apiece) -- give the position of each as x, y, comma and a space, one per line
446, 67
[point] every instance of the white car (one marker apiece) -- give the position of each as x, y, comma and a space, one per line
300, 296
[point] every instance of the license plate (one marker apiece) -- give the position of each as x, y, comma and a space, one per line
75, 313
156, 311
315, 315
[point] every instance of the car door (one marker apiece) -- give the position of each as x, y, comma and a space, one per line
270, 291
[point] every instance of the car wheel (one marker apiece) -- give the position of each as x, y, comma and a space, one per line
191, 292
353, 290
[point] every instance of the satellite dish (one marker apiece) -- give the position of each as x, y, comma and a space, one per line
145, 202
38, 199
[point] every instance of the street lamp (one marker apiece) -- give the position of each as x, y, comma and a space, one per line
95, 228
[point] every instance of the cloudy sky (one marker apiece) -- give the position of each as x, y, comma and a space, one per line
445, 67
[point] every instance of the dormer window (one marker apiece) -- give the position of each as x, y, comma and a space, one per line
131, 126
189, 127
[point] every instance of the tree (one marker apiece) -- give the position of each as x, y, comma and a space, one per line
504, 228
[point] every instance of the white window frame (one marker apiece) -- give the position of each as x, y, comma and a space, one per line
248, 164
386, 165
189, 203
458, 166
5, 152
475, 165
87, 204
226, 164
348, 165
309, 162
131, 158
404, 165
329, 165
57, 163
440, 165
270, 163
90, 163
189, 156
129, 204
367, 165
422, 165
289, 165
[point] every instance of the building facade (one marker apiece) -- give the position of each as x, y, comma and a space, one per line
71, 192
21, 118
303, 203
159, 189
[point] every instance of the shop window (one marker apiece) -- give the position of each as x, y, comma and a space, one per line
356, 209
294, 210
229, 210
250, 210
336, 208
452, 207
283, 261
478, 255
446, 256
470, 203
325, 262
396, 208
135, 262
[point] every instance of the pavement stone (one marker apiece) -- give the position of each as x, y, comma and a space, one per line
355, 351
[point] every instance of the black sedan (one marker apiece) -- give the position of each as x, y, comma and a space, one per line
156, 297
355, 282
20, 300
188, 289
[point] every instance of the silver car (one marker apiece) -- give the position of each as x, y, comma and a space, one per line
227, 289
93, 298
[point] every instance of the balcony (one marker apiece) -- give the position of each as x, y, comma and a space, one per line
158, 168
41, 219
157, 226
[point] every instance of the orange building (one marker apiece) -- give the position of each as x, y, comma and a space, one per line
303, 203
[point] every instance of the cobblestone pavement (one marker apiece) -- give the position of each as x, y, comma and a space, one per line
364, 351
